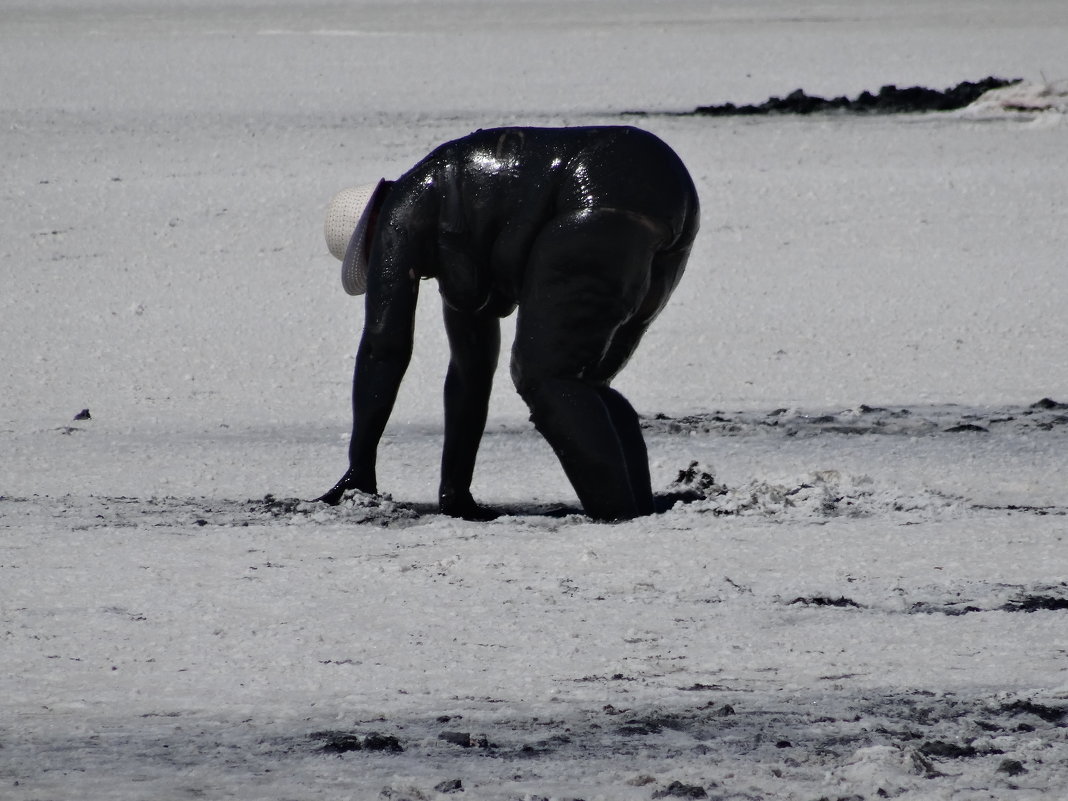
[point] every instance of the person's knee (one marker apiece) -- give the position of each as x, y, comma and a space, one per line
536, 374
559, 404
540, 394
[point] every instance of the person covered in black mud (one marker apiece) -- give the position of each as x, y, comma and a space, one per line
586, 231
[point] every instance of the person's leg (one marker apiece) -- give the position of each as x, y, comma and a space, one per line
635, 455
573, 418
588, 276
667, 269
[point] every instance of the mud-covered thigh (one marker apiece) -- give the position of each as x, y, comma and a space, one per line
584, 302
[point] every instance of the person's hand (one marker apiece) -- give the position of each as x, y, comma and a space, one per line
349, 481
462, 505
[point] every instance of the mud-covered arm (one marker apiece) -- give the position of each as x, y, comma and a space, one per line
474, 345
381, 361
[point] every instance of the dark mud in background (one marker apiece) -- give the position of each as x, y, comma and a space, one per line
888, 100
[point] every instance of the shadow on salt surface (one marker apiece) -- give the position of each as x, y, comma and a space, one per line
809, 497
93, 512
713, 738
85, 513
720, 738
814, 498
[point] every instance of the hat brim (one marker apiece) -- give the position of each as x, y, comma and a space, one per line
357, 254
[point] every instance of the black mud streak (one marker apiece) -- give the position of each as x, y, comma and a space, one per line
888, 100
1000, 598
819, 600
1040, 511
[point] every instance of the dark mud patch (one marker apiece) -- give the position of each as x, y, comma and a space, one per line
1037, 603
944, 750
819, 600
652, 724
1045, 598
890, 99
1039, 511
679, 789
342, 742
465, 739
965, 427
950, 609
1045, 712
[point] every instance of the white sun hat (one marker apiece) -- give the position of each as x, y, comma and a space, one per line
347, 220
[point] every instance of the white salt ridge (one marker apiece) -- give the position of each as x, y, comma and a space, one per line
1024, 98
826, 494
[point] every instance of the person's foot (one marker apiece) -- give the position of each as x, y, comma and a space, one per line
464, 507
